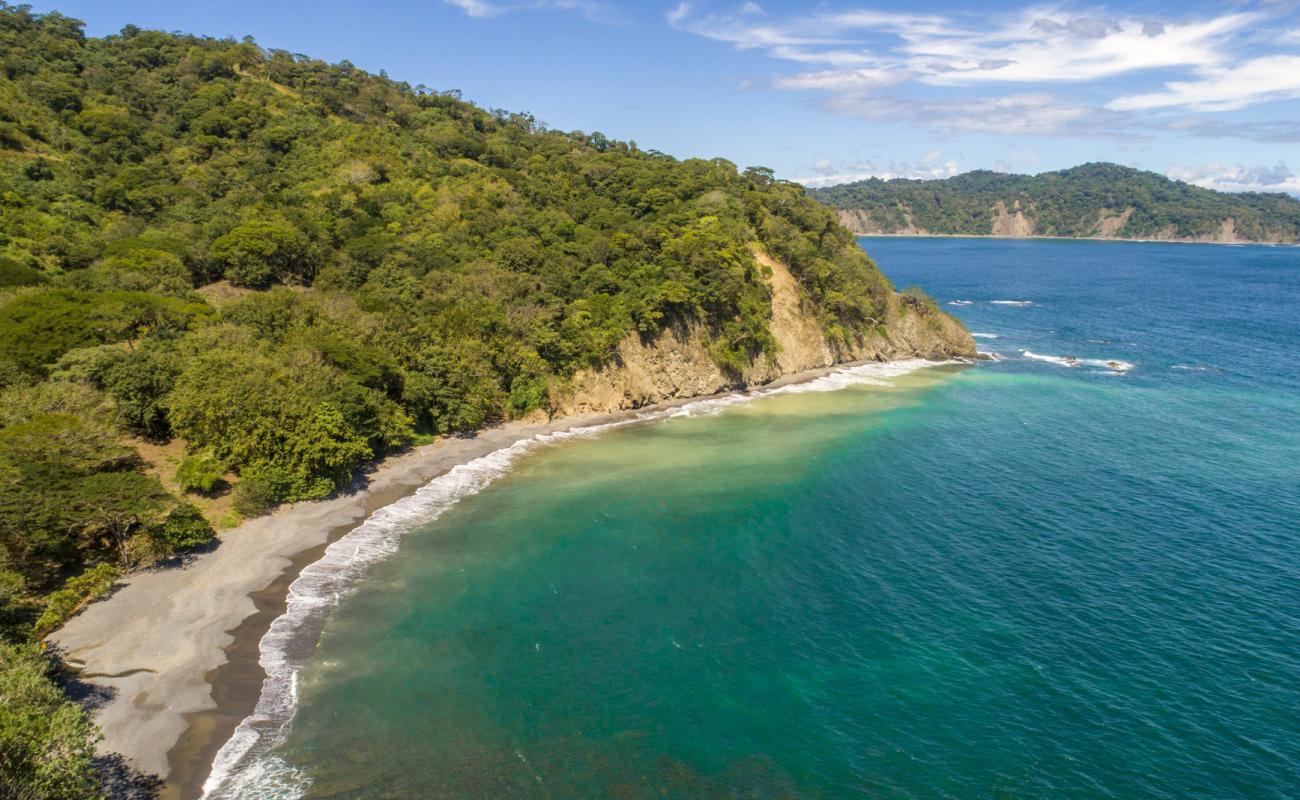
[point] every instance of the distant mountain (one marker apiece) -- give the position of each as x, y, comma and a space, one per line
1093, 200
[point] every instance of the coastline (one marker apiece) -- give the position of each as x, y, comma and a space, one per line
177, 648
1222, 243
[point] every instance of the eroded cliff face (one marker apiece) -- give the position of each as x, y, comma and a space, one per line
677, 364
1017, 222
1012, 222
862, 224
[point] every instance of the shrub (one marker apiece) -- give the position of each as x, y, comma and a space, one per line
916, 297
46, 740
185, 528
199, 472
12, 273
59, 606
253, 495
15, 608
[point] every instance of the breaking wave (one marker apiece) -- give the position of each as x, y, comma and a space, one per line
1110, 365
246, 766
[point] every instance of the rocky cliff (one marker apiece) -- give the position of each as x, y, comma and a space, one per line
677, 364
1100, 201
1016, 223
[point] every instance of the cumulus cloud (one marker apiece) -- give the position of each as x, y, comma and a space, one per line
1238, 177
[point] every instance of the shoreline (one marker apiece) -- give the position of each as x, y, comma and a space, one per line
859, 234
178, 648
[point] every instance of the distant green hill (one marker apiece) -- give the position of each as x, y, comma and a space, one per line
1092, 200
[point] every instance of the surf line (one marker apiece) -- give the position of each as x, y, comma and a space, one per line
245, 766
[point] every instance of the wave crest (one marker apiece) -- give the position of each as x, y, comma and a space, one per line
1113, 365
245, 766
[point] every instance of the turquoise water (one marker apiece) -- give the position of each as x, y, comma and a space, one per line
1020, 579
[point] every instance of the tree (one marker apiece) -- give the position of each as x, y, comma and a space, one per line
46, 740
185, 528
261, 252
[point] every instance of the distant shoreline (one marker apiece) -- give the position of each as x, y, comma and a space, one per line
179, 647
860, 234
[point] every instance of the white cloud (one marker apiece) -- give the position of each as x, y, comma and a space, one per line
1056, 48
482, 9
1238, 177
1258, 80
1033, 45
1219, 62
1273, 130
475, 8
842, 80
829, 173
1021, 114
748, 31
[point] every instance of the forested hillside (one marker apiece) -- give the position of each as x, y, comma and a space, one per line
1095, 200
228, 272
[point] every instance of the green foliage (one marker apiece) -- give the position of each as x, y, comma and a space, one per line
199, 472
298, 424
14, 273
75, 594
916, 297
17, 610
261, 252
254, 494
296, 266
1071, 202
46, 740
36, 328
463, 238
184, 529
73, 494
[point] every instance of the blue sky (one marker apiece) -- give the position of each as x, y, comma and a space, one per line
824, 92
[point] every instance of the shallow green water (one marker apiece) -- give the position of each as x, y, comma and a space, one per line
1020, 579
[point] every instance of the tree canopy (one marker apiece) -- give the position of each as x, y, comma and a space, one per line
297, 266
294, 267
1070, 202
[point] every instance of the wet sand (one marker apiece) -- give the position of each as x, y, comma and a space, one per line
177, 647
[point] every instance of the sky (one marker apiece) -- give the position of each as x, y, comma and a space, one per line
830, 92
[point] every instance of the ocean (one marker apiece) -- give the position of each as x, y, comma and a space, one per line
1072, 571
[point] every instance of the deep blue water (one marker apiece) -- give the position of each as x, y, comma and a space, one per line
1019, 579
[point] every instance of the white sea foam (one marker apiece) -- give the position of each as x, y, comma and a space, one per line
1111, 365
985, 335
960, 302
1012, 302
246, 766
